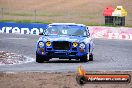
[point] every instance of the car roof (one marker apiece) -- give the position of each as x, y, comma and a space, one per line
66, 24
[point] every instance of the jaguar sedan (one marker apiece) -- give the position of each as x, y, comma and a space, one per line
65, 41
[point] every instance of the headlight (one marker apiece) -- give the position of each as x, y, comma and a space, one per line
82, 45
48, 43
75, 44
41, 44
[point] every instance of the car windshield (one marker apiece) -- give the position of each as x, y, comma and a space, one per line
72, 30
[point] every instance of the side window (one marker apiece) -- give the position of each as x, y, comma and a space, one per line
79, 32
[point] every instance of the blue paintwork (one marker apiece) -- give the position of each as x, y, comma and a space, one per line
65, 53
8, 27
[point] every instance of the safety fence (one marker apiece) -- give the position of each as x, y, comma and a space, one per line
124, 33
22, 28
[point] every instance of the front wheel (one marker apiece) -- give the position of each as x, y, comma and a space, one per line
84, 58
91, 57
40, 58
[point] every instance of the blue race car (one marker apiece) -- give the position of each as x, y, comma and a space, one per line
65, 41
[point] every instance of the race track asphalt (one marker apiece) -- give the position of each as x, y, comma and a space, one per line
109, 55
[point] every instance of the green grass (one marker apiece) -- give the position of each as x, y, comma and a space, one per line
49, 14
19, 14
32, 14
24, 21
31, 21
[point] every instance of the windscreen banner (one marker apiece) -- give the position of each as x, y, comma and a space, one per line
22, 28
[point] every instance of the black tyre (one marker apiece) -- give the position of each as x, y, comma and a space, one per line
91, 57
46, 59
84, 58
40, 58
108, 20
123, 21
117, 21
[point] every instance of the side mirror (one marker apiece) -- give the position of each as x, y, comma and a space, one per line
88, 33
41, 33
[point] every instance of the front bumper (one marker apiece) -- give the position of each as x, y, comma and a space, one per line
61, 51
65, 54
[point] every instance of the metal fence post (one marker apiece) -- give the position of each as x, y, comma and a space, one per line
2, 13
35, 15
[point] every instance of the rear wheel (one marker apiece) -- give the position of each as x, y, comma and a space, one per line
40, 58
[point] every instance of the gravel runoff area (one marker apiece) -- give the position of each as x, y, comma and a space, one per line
53, 80
8, 58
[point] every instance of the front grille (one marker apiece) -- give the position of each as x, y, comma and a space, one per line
61, 45
73, 53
